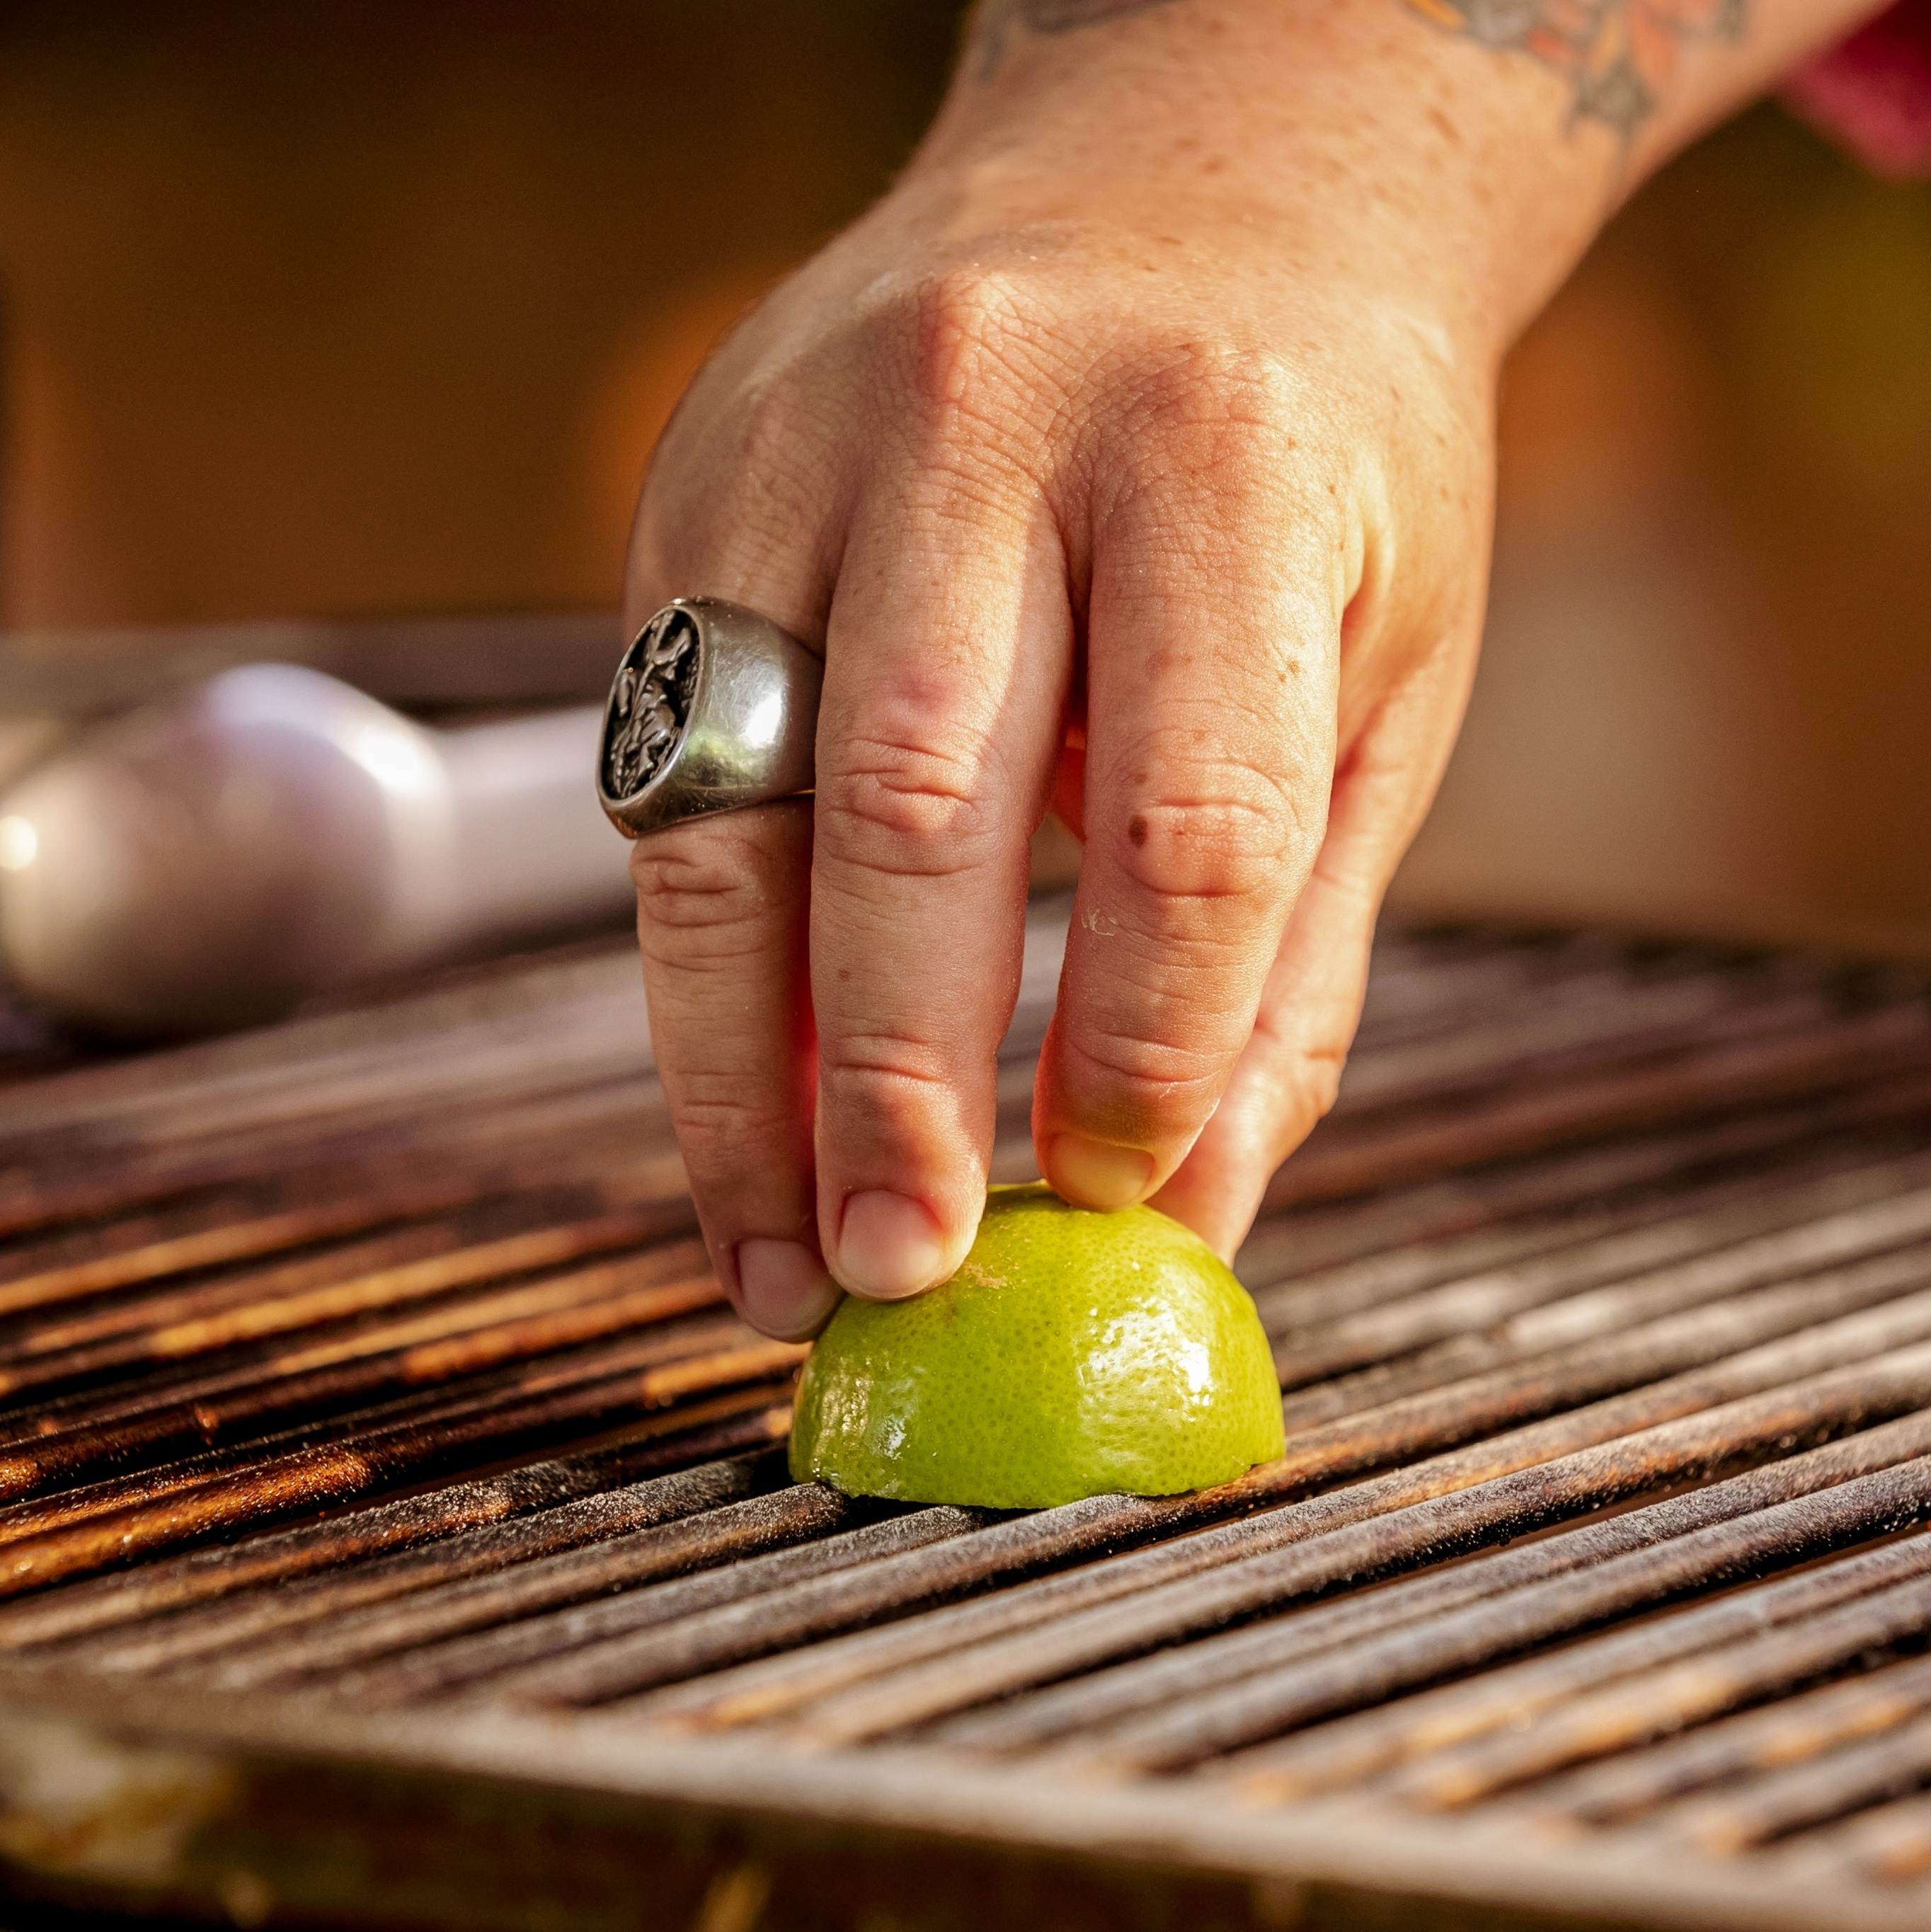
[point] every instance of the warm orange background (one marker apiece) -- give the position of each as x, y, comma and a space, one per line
342, 306
346, 308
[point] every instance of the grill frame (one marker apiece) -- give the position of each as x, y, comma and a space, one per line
1545, 1323
238, 1769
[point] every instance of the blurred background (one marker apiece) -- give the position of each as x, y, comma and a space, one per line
349, 311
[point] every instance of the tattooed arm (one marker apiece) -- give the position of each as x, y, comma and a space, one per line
1617, 57
1552, 108
1132, 457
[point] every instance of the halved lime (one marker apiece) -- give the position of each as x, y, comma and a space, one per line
1073, 1354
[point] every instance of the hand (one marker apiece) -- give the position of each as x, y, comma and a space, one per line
1133, 458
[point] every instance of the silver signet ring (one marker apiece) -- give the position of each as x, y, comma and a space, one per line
714, 708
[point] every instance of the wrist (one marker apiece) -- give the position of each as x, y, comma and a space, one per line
1345, 140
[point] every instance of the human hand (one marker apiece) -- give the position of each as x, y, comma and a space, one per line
1132, 457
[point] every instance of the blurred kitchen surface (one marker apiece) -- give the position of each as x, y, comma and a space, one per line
338, 311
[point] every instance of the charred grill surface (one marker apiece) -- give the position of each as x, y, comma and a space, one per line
364, 1376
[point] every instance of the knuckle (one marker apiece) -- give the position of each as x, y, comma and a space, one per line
895, 1084
721, 1135
714, 1109
710, 881
1202, 846
892, 810
1239, 401
1214, 444
1312, 1087
902, 1061
1304, 1068
1131, 1078
970, 351
744, 475
771, 423
1216, 826
960, 329
910, 796
777, 468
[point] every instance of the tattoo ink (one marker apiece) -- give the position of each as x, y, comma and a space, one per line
999, 20
1616, 55
1061, 16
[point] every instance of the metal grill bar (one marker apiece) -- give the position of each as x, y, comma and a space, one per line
1482, 1302
1580, 1247
1528, 1478
486, 1333
237, 1492
350, 1545
1769, 1538
1582, 1015
1748, 1074
1170, 1677
1420, 1533
436, 1669
1809, 1794
1603, 1304
1890, 1844
588, 1522
233, 1312
1361, 1747
1405, 1230
1626, 1786
1456, 1401
626, 1559
1688, 1694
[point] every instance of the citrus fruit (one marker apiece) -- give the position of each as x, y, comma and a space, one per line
1073, 1354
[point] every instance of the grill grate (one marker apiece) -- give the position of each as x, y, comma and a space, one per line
368, 1397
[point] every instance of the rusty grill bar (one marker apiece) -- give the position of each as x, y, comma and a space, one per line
366, 1394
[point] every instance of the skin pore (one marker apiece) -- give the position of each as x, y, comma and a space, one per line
1132, 457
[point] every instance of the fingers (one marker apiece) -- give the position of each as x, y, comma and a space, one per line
1212, 665
946, 668
948, 648
1286, 1076
861, 959
723, 901
722, 918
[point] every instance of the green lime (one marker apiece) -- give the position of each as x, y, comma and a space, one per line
1072, 1355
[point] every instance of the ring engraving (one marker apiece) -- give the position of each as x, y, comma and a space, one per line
714, 708
650, 703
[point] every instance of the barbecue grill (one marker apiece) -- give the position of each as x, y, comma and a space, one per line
394, 1529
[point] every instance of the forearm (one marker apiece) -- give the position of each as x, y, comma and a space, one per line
1462, 151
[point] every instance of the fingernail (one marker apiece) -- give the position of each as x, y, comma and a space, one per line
888, 1247
1091, 1174
784, 1290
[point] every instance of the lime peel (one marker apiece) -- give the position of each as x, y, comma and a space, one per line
1072, 1354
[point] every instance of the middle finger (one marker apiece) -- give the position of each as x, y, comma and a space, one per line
1211, 670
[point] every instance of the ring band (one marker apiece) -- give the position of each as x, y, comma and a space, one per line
714, 708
